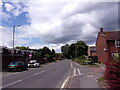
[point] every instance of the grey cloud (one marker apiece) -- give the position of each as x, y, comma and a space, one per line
105, 15
91, 6
74, 24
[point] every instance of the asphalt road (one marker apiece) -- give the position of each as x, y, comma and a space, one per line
61, 74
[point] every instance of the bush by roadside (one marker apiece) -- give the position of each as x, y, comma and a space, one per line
83, 61
112, 74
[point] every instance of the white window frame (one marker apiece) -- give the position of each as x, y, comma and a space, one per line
117, 43
115, 53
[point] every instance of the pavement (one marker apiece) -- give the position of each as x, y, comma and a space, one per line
61, 74
102, 66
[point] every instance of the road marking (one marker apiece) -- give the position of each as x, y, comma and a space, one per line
11, 83
89, 75
79, 72
39, 72
27, 77
76, 72
65, 81
71, 64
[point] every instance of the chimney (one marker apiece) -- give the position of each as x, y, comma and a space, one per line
101, 30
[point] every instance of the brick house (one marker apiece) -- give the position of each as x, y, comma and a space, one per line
92, 51
107, 45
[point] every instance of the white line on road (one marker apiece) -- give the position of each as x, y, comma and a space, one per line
65, 81
76, 72
27, 77
11, 83
39, 72
71, 64
79, 73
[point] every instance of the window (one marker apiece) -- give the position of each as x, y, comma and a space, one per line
116, 55
117, 43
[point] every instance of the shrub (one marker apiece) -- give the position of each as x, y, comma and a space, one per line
92, 61
112, 74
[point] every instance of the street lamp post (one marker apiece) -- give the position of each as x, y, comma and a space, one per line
14, 38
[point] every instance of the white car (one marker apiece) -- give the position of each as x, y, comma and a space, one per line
33, 63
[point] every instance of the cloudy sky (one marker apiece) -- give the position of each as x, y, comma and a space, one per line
54, 24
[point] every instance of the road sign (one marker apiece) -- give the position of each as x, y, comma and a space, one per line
30, 55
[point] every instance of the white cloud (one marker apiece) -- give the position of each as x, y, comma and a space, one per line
7, 37
0, 4
4, 16
58, 23
14, 8
56, 47
70, 18
8, 7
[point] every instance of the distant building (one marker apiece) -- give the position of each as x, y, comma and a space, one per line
92, 51
107, 45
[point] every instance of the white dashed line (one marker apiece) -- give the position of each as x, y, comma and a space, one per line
12, 83
25, 78
39, 72
71, 64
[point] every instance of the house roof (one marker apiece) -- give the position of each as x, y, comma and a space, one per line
112, 35
93, 48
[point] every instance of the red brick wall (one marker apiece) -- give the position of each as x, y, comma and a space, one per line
100, 45
91, 53
112, 48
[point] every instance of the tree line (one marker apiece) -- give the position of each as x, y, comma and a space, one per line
44, 53
74, 50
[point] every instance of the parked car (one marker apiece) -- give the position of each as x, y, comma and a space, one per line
17, 66
33, 63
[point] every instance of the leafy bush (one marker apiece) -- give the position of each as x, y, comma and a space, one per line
112, 74
80, 59
83, 61
92, 61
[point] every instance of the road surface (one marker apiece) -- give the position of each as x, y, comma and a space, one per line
61, 74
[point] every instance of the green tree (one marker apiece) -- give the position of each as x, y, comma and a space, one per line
53, 52
45, 51
5, 51
22, 48
80, 48
71, 50
74, 50
64, 50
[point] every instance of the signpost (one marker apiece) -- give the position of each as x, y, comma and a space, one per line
30, 56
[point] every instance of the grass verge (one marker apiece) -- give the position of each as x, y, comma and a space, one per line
102, 82
84, 62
